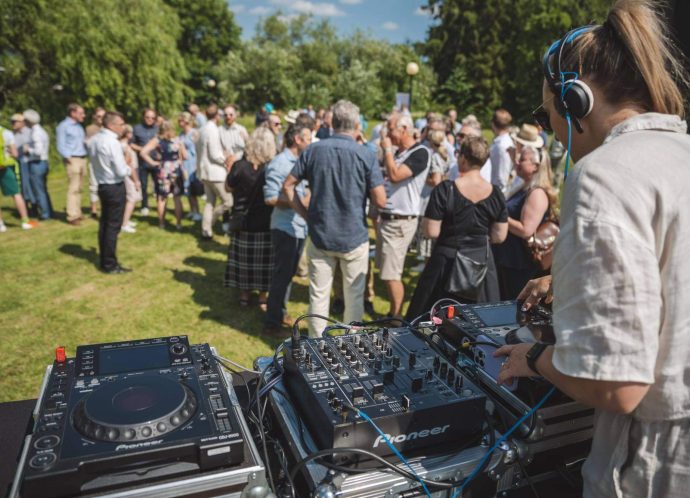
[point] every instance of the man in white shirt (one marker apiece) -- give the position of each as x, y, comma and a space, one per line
36, 152
212, 169
109, 169
233, 136
501, 162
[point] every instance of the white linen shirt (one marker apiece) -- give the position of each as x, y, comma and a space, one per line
621, 281
38, 144
107, 160
501, 163
233, 139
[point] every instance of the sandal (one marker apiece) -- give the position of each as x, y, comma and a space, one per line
263, 305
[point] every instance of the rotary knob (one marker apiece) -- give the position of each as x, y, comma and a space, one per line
178, 349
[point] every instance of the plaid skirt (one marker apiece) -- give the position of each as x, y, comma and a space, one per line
250, 261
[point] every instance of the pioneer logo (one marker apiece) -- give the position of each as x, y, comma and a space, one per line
402, 438
122, 447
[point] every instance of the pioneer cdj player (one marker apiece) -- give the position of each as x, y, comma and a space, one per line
125, 413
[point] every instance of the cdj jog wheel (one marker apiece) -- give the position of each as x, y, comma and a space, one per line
135, 409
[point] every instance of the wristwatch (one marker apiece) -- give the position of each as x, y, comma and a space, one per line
533, 354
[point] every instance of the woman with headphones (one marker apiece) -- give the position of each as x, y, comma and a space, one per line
620, 282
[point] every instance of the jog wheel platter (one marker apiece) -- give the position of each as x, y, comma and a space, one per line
136, 409
158, 406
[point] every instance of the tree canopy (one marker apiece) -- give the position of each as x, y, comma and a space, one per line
487, 53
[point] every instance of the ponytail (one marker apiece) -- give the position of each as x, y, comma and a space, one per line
631, 59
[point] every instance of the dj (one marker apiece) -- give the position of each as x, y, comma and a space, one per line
621, 271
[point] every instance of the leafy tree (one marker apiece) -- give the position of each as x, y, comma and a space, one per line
499, 45
97, 52
208, 33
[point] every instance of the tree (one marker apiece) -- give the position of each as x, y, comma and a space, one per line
499, 45
208, 33
96, 52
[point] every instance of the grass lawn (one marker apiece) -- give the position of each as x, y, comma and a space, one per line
52, 294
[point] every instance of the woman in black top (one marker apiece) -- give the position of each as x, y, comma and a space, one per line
250, 256
477, 217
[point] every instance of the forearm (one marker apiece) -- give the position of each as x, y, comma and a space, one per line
517, 228
294, 201
616, 397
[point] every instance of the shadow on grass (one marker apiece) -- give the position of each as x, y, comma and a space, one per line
89, 254
221, 304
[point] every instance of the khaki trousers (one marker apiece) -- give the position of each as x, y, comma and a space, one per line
76, 172
213, 191
322, 264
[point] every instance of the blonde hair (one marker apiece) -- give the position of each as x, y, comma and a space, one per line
166, 131
436, 140
631, 59
261, 146
186, 117
543, 178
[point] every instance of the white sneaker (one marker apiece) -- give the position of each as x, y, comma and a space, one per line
132, 223
197, 216
226, 228
26, 226
3, 227
144, 211
129, 229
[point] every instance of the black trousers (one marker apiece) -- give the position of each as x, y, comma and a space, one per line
287, 251
144, 171
112, 197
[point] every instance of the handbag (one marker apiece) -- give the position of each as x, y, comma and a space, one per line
540, 244
196, 187
467, 275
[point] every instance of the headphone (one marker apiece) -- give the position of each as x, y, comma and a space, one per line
574, 99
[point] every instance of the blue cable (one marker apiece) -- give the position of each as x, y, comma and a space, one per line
393, 449
500, 440
567, 154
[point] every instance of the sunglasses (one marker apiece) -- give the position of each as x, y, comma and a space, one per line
541, 116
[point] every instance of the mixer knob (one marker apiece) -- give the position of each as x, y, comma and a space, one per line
396, 361
451, 376
372, 355
444, 369
384, 334
389, 352
322, 345
357, 340
331, 395
412, 360
416, 384
437, 363
429, 374
405, 402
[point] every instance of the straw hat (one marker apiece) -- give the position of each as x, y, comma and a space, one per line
529, 135
291, 116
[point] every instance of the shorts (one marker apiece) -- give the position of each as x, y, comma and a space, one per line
392, 241
8, 182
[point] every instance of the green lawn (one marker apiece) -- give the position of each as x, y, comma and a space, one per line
52, 294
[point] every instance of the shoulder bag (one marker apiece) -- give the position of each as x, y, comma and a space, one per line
540, 244
466, 275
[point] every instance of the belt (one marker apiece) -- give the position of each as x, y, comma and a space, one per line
391, 216
79, 157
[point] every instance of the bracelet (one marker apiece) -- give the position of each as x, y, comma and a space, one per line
388, 150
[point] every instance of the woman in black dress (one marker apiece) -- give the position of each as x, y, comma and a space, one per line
477, 217
527, 209
250, 256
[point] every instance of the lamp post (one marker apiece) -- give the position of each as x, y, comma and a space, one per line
412, 69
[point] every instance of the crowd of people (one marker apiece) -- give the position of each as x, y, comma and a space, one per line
434, 187
616, 92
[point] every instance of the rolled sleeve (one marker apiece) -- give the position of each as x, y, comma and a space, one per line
274, 183
607, 303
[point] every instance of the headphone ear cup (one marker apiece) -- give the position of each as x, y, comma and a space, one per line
578, 98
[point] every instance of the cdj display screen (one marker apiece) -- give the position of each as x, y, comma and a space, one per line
144, 357
495, 316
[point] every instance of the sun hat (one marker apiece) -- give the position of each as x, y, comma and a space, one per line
291, 116
16, 117
268, 107
529, 135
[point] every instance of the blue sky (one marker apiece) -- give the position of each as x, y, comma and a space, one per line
393, 20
